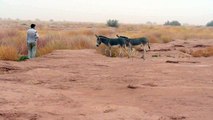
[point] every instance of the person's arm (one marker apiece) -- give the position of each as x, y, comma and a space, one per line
27, 36
37, 35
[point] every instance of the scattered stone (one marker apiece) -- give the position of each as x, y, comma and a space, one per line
132, 87
150, 84
179, 46
155, 56
168, 61
177, 117
109, 110
201, 46
161, 50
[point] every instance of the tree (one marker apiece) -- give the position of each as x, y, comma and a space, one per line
51, 20
173, 23
112, 23
210, 24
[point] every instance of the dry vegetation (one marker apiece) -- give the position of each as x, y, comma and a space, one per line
207, 52
66, 35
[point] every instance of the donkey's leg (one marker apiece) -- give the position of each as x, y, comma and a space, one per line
127, 51
141, 52
130, 50
124, 51
144, 52
147, 46
110, 51
120, 51
123, 48
106, 50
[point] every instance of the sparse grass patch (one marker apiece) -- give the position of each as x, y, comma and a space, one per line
73, 42
81, 42
166, 39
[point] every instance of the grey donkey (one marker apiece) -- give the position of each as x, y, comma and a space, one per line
131, 42
109, 42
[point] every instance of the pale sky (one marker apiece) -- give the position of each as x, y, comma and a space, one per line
197, 12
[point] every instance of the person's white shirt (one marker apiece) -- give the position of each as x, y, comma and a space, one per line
32, 35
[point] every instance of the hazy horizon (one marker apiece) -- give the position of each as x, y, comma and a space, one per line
197, 12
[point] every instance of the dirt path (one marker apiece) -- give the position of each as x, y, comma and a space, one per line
84, 85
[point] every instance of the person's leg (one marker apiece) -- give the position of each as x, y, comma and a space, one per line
29, 50
33, 49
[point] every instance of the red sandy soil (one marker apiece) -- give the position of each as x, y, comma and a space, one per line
85, 85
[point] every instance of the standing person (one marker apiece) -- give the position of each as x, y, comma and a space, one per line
32, 38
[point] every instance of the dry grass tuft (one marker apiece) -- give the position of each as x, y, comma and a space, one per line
207, 52
8, 53
115, 51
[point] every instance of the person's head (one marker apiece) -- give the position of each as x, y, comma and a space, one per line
32, 26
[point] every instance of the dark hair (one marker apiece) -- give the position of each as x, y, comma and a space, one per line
32, 25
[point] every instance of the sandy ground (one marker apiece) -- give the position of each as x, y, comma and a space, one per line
84, 85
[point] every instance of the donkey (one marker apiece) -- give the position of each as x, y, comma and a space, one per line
109, 42
130, 42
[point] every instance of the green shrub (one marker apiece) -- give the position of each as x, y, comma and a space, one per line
112, 23
23, 58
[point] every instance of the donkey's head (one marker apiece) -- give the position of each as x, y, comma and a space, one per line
98, 41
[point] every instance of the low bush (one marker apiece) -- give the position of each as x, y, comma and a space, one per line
112, 23
23, 58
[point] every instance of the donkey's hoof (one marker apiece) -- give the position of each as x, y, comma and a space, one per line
143, 57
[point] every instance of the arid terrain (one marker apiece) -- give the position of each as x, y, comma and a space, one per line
85, 85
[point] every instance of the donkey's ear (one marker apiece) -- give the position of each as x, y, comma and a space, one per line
117, 35
96, 35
